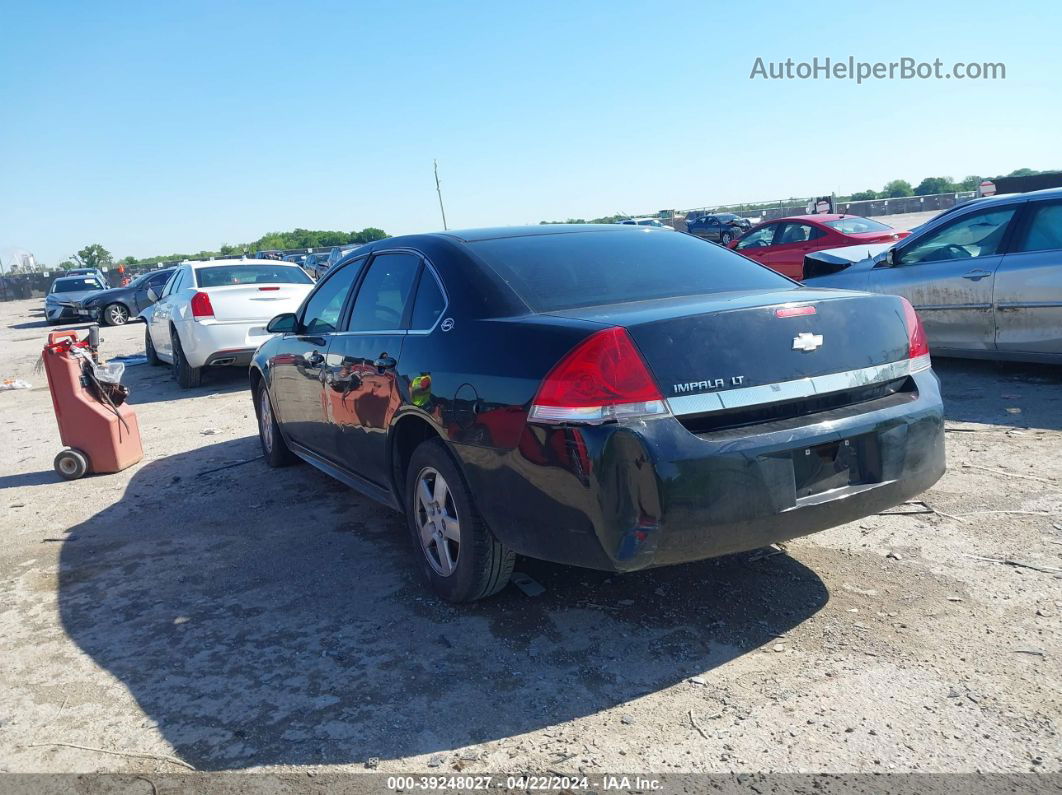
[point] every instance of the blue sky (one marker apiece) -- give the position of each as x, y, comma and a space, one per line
161, 127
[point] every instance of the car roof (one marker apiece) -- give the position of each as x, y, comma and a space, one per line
819, 218
212, 263
498, 232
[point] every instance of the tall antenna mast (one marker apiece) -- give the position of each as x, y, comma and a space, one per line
438, 190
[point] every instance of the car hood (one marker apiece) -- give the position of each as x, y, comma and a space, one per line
863, 255
114, 293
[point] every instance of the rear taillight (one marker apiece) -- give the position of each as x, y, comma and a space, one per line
603, 378
917, 344
201, 307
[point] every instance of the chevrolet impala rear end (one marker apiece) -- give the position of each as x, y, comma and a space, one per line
611, 398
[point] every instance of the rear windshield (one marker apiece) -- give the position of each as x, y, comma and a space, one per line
857, 226
225, 275
564, 271
74, 285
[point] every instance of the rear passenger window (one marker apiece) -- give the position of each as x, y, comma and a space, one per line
381, 301
1044, 232
429, 302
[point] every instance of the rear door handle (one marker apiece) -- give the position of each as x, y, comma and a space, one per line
385, 363
976, 275
315, 358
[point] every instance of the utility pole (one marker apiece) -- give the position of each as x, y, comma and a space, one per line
438, 190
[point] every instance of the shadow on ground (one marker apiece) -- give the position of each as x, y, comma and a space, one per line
982, 391
149, 384
267, 617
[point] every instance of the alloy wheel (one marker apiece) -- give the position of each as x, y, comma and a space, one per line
117, 315
437, 522
265, 413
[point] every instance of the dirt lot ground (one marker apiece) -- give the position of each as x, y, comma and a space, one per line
241, 618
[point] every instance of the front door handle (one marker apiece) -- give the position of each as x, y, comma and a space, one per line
314, 358
385, 362
976, 275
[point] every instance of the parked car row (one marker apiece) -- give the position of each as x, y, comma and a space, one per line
986, 277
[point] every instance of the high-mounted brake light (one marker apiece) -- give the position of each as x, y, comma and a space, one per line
201, 307
917, 344
266, 289
794, 311
602, 378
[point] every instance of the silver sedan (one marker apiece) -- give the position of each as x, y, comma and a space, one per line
985, 278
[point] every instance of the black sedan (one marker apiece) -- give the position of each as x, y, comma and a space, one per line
116, 306
717, 227
606, 396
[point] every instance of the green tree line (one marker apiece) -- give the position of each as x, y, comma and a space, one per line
297, 238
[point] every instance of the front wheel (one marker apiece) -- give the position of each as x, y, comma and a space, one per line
455, 550
188, 377
115, 315
274, 448
725, 238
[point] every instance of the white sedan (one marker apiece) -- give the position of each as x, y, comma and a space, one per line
215, 313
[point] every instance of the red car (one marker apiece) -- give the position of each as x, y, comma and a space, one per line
781, 244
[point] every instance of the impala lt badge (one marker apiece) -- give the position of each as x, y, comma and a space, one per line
714, 383
806, 341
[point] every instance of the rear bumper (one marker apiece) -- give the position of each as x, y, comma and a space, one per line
627, 497
218, 342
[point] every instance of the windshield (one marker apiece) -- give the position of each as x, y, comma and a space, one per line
564, 271
226, 275
75, 285
857, 226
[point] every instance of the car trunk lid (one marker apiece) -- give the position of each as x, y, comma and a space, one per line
254, 302
728, 341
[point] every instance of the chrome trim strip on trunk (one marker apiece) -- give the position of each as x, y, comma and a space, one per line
794, 390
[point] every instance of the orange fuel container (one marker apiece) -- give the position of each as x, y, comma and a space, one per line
99, 438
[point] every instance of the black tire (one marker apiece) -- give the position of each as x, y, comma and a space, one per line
725, 238
149, 350
116, 314
71, 464
484, 564
274, 448
188, 377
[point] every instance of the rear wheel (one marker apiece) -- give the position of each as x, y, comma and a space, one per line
149, 350
71, 464
188, 377
455, 550
274, 448
115, 315
725, 238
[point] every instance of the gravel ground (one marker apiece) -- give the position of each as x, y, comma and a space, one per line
244, 618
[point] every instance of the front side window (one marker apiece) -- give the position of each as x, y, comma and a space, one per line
978, 235
761, 238
1044, 232
381, 301
797, 233
174, 283
322, 312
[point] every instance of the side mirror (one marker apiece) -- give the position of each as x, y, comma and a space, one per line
152, 295
283, 324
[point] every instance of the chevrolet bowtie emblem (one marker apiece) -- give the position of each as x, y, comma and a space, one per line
805, 341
